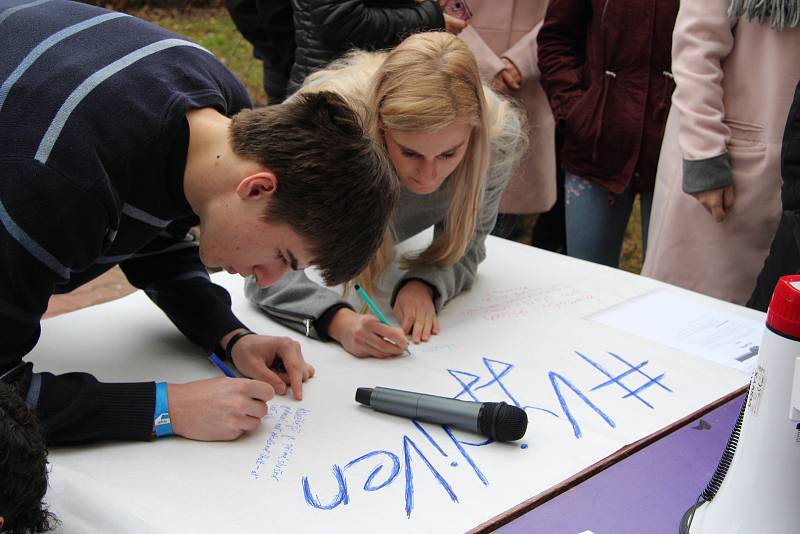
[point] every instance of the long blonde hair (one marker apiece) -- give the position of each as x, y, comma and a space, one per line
428, 82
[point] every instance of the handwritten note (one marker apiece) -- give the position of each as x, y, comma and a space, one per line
431, 348
525, 300
274, 457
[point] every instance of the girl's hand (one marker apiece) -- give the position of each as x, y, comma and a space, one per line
511, 74
364, 335
718, 202
415, 310
453, 24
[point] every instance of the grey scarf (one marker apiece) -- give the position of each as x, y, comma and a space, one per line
780, 13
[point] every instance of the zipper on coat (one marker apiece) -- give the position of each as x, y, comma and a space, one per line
291, 317
603, 13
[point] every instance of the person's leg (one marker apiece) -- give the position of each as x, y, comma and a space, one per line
268, 25
549, 231
507, 226
595, 229
646, 205
275, 82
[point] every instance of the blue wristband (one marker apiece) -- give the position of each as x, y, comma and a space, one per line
161, 422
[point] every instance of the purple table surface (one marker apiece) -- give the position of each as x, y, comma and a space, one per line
646, 493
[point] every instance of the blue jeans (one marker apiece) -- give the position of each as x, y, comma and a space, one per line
595, 230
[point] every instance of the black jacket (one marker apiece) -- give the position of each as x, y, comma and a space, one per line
784, 253
326, 29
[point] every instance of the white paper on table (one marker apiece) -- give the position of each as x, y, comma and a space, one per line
329, 464
686, 325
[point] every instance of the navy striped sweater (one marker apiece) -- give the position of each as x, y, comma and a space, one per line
93, 141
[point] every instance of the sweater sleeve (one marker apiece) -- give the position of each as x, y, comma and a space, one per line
36, 256
489, 63
524, 54
702, 39
297, 302
562, 46
507, 144
360, 24
170, 272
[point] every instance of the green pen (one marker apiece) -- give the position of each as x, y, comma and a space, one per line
377, 312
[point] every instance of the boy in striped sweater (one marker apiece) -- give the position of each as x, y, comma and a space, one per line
116, 138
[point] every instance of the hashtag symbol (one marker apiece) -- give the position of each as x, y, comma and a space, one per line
631, 371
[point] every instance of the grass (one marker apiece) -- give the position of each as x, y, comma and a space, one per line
631, 256
214, 29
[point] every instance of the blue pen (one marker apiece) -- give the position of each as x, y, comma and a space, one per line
221, 366
377, 312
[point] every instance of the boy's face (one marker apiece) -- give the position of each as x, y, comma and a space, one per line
265, 250
235, 237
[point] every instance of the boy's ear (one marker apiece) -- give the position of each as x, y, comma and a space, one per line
257, 186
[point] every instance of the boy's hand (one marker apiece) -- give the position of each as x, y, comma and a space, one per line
278, 361
219, 409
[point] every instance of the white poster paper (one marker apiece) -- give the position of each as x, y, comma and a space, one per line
328, 464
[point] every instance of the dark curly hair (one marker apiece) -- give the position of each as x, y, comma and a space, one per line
23, 467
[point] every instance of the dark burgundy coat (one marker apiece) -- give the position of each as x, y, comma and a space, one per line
606, 70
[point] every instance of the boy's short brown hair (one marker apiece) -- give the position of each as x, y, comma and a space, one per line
336, 186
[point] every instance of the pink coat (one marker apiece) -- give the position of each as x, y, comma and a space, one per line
508, 28
735, 80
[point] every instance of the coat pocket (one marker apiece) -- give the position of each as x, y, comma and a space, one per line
582, 124
745, 136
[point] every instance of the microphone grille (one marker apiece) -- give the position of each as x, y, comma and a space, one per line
503, 422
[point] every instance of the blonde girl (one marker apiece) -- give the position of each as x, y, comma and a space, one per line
454, 145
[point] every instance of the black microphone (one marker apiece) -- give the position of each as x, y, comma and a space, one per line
496, 420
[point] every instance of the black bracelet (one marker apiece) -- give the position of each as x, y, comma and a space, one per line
236, 337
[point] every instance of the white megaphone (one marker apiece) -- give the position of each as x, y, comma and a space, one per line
760, 493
